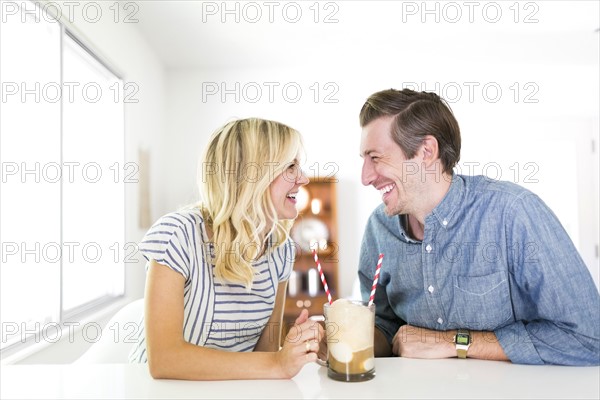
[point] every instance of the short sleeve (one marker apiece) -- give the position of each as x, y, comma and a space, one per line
170, 241
284, 256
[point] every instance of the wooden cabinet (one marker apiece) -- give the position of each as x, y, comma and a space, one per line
316, 225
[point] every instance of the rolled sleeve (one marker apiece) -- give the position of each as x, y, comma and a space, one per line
517, 345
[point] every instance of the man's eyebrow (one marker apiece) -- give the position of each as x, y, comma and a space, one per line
366, 153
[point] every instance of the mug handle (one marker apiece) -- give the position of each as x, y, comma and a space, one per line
322, 363
319, 318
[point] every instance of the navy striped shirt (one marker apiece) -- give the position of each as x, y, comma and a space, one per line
217, 315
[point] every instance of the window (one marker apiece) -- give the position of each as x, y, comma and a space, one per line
63, 174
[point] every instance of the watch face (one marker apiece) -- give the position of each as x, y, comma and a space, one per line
462, 339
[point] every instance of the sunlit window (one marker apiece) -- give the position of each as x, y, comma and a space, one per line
62, 182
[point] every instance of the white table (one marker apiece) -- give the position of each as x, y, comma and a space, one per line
396, 378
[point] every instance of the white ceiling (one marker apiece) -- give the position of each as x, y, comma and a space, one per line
190, 34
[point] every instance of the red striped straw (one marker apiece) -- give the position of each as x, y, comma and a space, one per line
322, 276
375, 279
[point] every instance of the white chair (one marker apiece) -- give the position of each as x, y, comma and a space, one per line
118, 337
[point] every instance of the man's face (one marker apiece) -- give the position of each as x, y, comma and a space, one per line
386, 168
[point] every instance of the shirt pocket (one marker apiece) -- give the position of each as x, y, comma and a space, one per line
482, 302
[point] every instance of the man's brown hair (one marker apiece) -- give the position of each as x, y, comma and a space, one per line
416, 115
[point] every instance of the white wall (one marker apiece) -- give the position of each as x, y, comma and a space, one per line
501, 133
126, 50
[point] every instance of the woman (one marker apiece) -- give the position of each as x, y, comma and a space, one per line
217, 272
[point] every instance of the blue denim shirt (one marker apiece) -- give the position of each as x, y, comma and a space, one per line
493, 258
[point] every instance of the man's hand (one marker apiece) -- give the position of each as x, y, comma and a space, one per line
414, 342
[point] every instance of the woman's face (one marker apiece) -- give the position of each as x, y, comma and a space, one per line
285, 188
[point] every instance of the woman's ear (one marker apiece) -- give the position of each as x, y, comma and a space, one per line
429, 150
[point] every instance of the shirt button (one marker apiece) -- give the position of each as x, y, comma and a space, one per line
444, 222
440, 321
431, 289
428, 248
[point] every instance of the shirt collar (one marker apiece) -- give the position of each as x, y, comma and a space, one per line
403, 222
444, 212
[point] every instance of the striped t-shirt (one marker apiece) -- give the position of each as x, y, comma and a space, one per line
216, 315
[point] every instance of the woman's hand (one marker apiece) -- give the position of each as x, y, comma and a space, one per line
300, 345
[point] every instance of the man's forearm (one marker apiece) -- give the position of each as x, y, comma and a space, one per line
485, 346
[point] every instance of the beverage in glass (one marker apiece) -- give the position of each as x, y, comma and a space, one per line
350, 327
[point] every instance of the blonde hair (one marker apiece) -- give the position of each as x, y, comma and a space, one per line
240, 162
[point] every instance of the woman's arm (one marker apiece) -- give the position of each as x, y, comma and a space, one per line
270, 338
171, 357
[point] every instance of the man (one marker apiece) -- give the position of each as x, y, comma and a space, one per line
473, 267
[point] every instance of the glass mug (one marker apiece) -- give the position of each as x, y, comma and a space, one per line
350, 329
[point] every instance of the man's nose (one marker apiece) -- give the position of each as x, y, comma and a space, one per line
368, 172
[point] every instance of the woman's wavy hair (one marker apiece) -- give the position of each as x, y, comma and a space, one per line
241, 160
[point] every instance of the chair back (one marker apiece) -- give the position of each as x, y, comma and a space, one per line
118, 337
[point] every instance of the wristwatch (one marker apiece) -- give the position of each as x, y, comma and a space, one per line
462, 340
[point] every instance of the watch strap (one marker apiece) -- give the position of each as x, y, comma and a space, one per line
461, 353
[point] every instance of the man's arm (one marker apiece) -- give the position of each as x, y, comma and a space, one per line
386, 320
382, 347
556, 303
415, 342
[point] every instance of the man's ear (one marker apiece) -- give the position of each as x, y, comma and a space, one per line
429, 150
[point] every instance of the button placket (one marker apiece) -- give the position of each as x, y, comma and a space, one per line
429, 274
